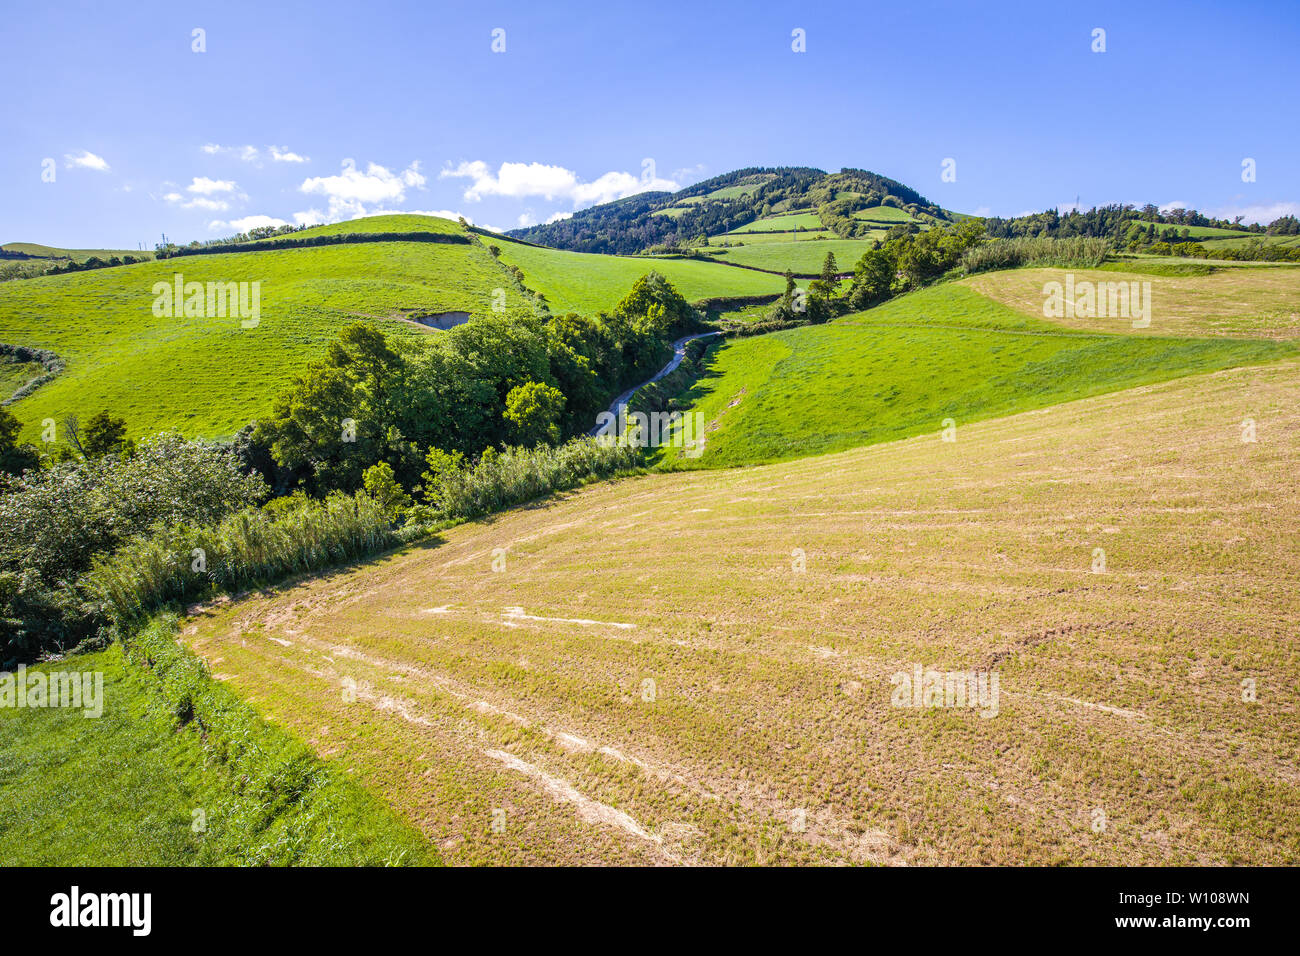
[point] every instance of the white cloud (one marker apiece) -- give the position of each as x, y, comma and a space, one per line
248, 154
1262, 213
246, 223
375, 184
351, 189
558, 217
982, 212
85, 160
688, 173
203, 193
526, 219
521, 180
1176, 204
209, 205
206, 187
282, 154
309, 217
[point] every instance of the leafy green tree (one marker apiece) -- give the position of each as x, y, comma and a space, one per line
873, 278
105, 435
534, 409
54, 522
341, 414
673, 315
14, 458
381, 485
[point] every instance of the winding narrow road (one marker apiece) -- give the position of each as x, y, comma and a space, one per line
679, 353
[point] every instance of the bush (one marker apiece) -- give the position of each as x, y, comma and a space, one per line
1078, 251
455, 489
186, 562
54, 522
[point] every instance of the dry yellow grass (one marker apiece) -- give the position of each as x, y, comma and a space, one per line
769, 735
1260, 302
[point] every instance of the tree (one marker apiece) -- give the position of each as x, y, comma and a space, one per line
104, 435
829, 283
381, 485
14, 458
534, 409
873, 278
673, 314
340, 415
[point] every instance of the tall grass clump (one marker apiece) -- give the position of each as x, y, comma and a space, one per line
186, 562
498, 480
1082, 252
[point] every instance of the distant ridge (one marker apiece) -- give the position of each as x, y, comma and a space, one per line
839, 203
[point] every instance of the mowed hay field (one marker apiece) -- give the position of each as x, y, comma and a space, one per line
209, 376
1252, 300
695, 668
588, 283
903, 367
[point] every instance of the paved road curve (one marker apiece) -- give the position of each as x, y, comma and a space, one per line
679, 353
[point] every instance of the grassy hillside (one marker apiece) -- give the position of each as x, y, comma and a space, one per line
374, 224
39, 251
786, 223
802, 257
697, 668
755, 238
25, 259
1229, 299
210, 376
902, 368
581, 282
122, 789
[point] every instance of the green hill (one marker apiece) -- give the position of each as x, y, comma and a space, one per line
209, 376
901, 368
849, 204
581, 282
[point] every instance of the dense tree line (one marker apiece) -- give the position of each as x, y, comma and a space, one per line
510, 379
1120, 222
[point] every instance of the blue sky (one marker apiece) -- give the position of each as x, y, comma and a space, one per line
147, 136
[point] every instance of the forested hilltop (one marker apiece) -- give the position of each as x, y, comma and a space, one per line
839, 202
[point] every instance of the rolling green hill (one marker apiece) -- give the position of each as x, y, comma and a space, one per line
27, 259
803, 257
901, 368
746, 200
210, 376
581, 282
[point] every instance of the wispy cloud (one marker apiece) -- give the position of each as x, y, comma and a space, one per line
85, 160
249, 154
524, 180
210, 195
246, 223
282, 154
1262, 213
